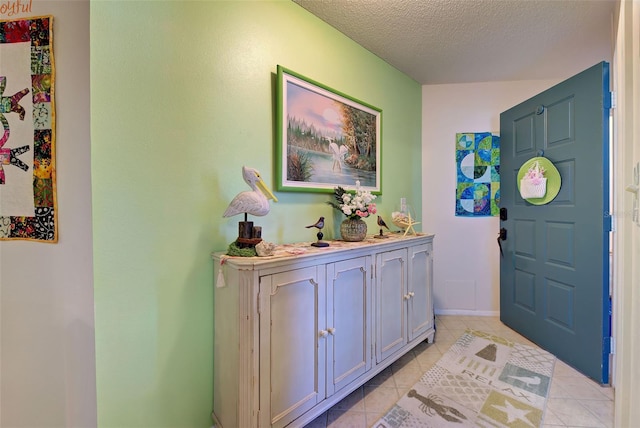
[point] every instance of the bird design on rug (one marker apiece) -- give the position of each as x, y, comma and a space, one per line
528, 380
254, 201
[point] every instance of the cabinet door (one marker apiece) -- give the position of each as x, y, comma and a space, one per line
420, 302
391, 295
292, 308
349, 322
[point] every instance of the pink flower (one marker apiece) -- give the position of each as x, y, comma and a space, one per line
535, 174
535, 180
354, 205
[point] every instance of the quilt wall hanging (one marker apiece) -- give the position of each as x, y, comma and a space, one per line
478, 174
27, 116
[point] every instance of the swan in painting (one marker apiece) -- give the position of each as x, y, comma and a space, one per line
338, 153
254, 201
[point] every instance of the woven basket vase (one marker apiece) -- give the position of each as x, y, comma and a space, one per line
353, 230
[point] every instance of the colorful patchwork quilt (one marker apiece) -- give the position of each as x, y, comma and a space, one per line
27, 116
478, 174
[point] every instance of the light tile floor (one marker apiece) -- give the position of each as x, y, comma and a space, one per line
574, 400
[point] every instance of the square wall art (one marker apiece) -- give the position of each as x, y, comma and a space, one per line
478, 174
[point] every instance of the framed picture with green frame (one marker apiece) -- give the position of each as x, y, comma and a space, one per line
325, 138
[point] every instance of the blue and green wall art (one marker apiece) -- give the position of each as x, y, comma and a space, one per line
478, 174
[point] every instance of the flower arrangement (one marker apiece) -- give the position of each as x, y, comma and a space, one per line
533, 183
535, 174
354, 205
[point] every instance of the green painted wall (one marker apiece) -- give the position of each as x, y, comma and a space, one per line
183, 95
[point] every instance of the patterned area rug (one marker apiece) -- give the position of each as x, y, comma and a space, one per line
482, 380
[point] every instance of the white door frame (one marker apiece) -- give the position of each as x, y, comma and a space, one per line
626, 274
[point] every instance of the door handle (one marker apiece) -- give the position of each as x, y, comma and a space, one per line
502, 236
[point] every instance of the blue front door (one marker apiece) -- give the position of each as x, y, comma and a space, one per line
554, 272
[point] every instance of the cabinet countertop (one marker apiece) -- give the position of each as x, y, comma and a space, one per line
304, 249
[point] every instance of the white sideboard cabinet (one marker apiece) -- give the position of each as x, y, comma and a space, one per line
298, 331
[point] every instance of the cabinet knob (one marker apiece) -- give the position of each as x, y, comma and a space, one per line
411, 294
331, 330
407, 297
323, 333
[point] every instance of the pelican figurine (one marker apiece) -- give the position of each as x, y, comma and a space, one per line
254, 201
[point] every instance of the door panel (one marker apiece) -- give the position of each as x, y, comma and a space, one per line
420, 316
295, 359
391, 276
349, 322
554, 272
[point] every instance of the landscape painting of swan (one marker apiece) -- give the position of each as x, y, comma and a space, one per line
326, 138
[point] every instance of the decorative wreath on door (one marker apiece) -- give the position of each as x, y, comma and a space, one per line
539, 181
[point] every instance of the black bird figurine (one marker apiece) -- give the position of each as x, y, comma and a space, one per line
319, 225
382, 224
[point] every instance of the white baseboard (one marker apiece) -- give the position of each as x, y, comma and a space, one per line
467, 312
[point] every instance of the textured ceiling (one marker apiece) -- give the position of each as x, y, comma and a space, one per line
460, 41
